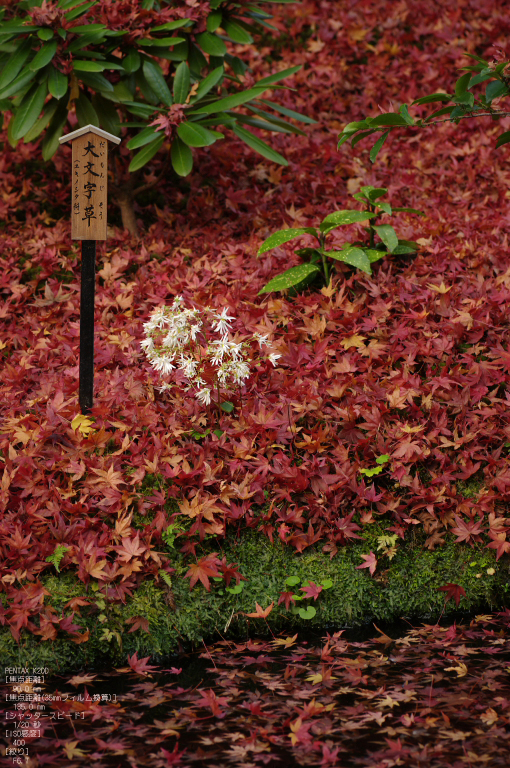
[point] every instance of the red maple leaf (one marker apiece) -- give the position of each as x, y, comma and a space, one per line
286, 597
205, 567
370, 563
312, 590
453, 590
140, 666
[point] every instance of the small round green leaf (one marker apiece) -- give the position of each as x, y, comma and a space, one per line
326, 584
292, 581
307, 613
227, 407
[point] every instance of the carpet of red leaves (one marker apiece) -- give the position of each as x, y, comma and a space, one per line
413, 361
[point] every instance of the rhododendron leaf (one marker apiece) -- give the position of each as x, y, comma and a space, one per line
57, 83
211, 44
208, 83
181, 83
259, 146
181, 156
15, 63
144, 137
154, 76
195, 135
28, 111
44, 55
146, 154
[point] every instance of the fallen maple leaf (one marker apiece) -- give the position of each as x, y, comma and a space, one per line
140, 666
260, 613
370, 563
453, 590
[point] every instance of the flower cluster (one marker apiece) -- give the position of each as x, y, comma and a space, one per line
179, 338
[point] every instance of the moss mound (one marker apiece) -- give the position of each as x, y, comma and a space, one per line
404, 585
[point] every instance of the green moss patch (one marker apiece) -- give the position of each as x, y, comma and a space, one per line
405, 584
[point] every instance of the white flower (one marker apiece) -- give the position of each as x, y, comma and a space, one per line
222, 326
204, 396
188, 366
163, 365
239, 371
261, 339
221, 347
273, 358
147, 345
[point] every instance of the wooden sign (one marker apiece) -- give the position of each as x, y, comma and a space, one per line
90, 182
88, 224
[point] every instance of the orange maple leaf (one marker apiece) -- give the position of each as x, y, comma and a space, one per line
261, 613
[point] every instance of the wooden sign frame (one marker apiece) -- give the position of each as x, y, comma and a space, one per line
88, 224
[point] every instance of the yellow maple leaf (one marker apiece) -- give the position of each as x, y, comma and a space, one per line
315, 679
439, 288
489, 717
286, 642
461, 670
72, 751
82, 423
353, 341
294, 728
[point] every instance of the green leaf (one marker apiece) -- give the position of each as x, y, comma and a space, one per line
290, 278
57, 83
356, 257
213, 21
278, 76
390, 118
274, 122
145, 88
377, 146
462, 84
40, 124
218, 432
356, 139
80, 10
326, 584
85, 112
17, 84
292, 581
408, 210
181, 83
181, 157
229, 102
283, 236
504, 138
307, 613
289, 112
29, 110
157, 82
96, 81
171, 25
15, 63
401, 250
227, 407
374, 193
259, 146
387, 235
340, 218
50, 142
144, 137
163, 42
431, 98
195, 135
374, 254
108, 115
404, 111
386, 207
208, 83
146, 154
495, 89
12, 28
236, 32
45, 34
235, 590
132, 61
88, 66
122, 93
211, 44
383, 459
437, 113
